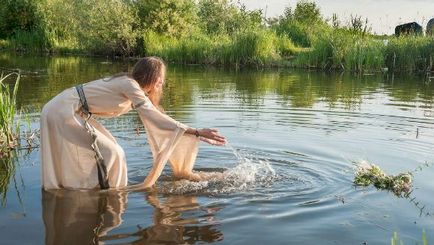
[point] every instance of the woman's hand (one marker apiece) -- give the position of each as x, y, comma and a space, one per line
212, 136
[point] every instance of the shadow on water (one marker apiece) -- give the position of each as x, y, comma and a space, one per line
91, 217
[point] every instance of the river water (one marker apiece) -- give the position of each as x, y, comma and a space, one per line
294, 138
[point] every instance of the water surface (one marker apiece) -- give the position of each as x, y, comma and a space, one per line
288, 167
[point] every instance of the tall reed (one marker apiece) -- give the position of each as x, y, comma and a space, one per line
344, 50
9, 128
29, 41
255, 48
410, 54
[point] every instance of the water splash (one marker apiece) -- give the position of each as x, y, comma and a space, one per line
249, 173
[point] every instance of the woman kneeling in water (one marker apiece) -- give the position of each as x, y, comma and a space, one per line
77, 152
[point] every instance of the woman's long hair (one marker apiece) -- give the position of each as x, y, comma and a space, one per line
146, 72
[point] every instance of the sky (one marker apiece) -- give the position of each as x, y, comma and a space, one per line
383, 15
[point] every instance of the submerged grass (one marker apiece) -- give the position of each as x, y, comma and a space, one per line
9, 128
7, 171
396, 241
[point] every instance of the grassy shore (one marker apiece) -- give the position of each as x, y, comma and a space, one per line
209, 32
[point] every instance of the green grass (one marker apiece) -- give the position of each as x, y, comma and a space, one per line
28, 41
410, 54
9, 128
340, 49
249, 48
299, 38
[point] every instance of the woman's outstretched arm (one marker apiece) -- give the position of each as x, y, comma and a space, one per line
208, 135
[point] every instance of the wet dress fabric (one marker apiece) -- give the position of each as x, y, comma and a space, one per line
67, 158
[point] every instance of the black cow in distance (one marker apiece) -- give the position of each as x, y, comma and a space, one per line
430, 27
412, 28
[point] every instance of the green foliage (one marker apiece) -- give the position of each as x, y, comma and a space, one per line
302, 24
247, 48
188, 50
32, 41
299, 33
208, 32
98, 26
253, 48
61, 24
108, 25
365, 55
345, 50
286, 47
306, 12
222, 17
18, 15
410, 54
21, 23
358, 25
175, 18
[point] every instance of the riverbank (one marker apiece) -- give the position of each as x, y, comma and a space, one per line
211, 33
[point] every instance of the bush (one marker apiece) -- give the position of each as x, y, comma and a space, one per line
301, 24
174, 18
254, 48
221, 17
299, 33
18, 16
286, 47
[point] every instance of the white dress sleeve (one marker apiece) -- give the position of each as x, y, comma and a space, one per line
165, 136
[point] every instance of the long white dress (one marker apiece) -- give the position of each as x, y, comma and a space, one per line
67, 159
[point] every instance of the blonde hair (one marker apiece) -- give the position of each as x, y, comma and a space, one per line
146, 72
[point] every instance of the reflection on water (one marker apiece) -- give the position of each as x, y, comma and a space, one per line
45, 77
87, 217
7, 173
287, 174
170, 227
80, 217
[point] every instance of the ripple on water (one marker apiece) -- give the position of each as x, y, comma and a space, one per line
265, 175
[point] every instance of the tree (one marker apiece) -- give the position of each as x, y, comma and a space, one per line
174, 18
18, 15
97, 25
300, 23
307, 12
224, 17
